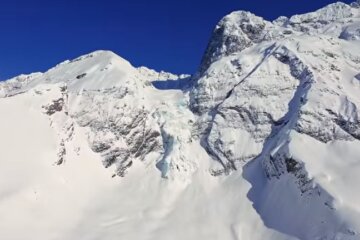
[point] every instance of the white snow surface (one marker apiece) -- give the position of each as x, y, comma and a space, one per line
263, 143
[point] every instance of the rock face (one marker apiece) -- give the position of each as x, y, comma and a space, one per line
272, 113
230, 83
120, 133
260, 83
106, 95
234, 33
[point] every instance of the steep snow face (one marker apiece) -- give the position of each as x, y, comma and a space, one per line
332, 12
240, 30
258, 102
65, 130
105, 94
262, 143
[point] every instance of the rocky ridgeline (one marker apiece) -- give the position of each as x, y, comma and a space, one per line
260, 83
120, 133
254, 98
252, 85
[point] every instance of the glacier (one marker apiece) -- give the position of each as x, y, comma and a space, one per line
262, 142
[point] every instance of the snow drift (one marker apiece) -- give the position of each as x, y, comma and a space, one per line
263, 142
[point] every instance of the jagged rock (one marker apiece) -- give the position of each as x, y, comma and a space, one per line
56, 106
234, 33
274, 106
100, 146
81, 76
61, 154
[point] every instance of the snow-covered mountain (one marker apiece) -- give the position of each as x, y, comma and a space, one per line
263, 142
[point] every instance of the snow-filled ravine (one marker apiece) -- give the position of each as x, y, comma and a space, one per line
261, 143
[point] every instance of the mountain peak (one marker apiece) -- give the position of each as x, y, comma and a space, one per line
267, 137
331, 12
93, 71
235, 32
241, 29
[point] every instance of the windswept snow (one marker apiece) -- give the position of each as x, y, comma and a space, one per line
261, 143
80, 200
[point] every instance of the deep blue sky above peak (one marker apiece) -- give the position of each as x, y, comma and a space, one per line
163, 35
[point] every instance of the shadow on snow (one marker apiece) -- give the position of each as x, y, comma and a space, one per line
172, 84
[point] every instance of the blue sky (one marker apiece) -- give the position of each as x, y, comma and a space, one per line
163, 35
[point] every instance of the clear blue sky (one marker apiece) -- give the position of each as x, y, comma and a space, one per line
164, 35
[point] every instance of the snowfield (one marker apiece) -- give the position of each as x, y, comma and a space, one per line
262, 143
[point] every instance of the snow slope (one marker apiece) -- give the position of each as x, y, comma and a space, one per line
261, 143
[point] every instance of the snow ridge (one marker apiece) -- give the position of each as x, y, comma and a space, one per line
261, 143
